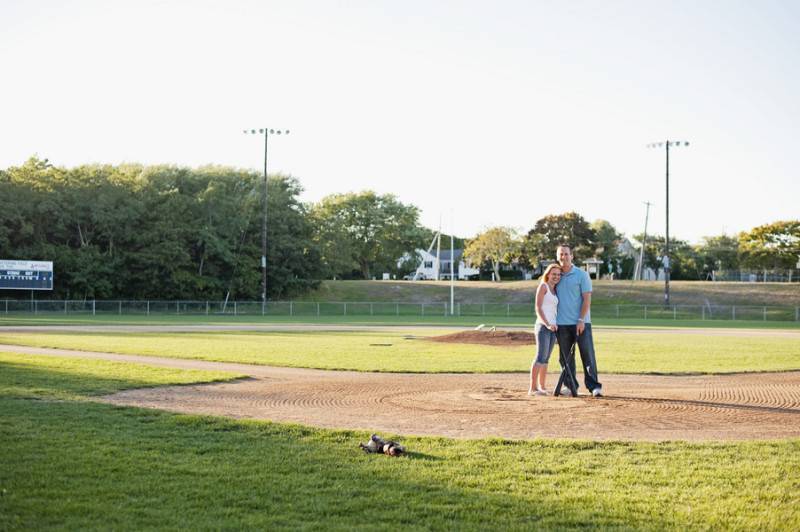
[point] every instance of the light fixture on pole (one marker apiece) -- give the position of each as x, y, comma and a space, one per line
667, 145
266, 132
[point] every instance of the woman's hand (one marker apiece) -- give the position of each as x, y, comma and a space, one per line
553, 328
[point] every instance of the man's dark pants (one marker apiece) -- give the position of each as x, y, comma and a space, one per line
567, 337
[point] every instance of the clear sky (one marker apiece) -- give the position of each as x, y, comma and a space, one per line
483, 113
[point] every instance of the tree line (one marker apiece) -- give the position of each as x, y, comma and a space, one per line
773, 247
169, 232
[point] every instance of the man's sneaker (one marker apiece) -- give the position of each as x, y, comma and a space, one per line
597, 392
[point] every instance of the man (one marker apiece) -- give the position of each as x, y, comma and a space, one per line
574, 293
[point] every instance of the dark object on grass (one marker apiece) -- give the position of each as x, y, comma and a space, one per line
376, 444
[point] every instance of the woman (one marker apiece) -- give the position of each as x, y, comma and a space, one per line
545, 328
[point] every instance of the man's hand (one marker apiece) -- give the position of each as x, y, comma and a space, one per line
581, 327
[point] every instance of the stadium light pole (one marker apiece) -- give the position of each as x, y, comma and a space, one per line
667, 144
266, 132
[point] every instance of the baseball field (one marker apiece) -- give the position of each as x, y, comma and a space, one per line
203, 426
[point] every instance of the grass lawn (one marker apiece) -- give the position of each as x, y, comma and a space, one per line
617, 351
70, 378
71, 464
604, 292
57, 319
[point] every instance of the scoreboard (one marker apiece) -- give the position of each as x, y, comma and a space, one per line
26, 275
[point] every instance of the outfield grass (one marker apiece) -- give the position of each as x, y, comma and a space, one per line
617, 351
70, 378
604, 292
57, 319
69, 464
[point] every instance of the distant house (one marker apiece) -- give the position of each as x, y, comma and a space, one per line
626, 249
428, 265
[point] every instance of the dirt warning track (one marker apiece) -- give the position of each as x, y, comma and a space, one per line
636, 407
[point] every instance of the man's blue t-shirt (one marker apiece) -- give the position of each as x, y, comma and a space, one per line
570, 290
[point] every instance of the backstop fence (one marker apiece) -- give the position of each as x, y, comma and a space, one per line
348, 308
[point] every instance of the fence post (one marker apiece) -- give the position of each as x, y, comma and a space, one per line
445, 308
733, 312
703, 313
674, 312
291, 308
617, 311
371, 311
94, 309
765, 313
120, 307
345, 308
796, 312
317, 308
423, 309
645, 312
235, 310
206, 307
148, 307
7, 307
397, 309
508, 310
458, 312
65, 306
177, 307
483, 309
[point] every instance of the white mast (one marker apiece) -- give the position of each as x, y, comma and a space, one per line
639, 270
452, 261
438, 247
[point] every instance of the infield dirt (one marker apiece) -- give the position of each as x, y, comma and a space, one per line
635, 407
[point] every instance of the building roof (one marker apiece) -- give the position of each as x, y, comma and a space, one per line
444, 254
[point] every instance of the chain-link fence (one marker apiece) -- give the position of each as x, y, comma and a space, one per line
328, 308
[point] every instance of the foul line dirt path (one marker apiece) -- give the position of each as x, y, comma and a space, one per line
636, 407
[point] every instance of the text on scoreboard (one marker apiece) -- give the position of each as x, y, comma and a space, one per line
26, 275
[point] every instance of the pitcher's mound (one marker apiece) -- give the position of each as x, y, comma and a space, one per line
507, 338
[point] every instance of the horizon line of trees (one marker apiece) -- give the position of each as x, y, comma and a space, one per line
169, 232
774, 246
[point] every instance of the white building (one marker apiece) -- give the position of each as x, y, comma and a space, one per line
428, 265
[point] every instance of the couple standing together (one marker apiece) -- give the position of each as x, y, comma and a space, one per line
562, 300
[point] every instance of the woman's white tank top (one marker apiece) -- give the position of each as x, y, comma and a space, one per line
549, 306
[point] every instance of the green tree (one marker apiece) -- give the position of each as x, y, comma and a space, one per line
717, 253
294, 259
494, 246
365, 231
771, 246
684, 264
607, 240
551, 231
166, 232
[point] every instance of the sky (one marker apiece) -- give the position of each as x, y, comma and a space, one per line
481, 114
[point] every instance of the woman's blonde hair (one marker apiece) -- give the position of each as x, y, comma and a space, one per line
547, 271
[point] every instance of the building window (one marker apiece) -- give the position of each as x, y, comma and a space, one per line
428, 264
